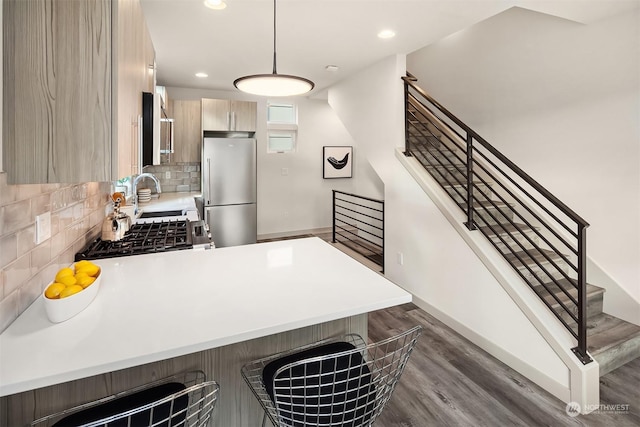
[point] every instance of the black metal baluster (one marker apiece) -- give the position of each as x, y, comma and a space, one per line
470, 223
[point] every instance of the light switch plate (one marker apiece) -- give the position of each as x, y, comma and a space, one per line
43, 227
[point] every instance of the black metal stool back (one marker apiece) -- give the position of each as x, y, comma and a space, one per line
336, 382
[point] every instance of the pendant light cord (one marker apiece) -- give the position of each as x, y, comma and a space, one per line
274, 37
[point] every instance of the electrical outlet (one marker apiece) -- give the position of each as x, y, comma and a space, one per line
43, 227
167, 175
400, 258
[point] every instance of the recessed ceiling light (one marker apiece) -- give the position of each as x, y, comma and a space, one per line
215, 4
386, 34
202, 75
331, 68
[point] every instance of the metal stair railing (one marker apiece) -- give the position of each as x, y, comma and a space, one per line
358, 223
538, 235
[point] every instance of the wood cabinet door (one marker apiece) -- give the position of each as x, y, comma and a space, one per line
133, 74
215, 114
244, 115
187, 132
57, 91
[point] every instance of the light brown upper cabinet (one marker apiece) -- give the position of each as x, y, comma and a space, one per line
188, 135
74, 72
228, 115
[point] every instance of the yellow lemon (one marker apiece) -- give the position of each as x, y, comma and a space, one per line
63, 272
90, 270
70, 290
53, 291
82, 263
85, 280
68, 280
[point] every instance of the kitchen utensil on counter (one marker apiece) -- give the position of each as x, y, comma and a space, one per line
144, 195
116, 224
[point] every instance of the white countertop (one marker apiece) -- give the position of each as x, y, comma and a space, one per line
158, 306
169, 202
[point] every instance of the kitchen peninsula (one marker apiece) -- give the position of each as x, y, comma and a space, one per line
214, 310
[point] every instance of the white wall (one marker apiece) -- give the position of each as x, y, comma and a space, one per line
438, 268
300, 200
562, 101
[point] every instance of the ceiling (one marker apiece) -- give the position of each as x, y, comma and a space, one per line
311, 34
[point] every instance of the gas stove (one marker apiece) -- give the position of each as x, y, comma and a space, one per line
152, 237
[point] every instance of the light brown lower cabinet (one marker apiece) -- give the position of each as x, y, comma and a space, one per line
236, 407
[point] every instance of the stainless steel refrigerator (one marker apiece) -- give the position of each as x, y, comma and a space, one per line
229, 190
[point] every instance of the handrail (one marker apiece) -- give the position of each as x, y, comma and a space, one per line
358, 223
498, 205
522, 174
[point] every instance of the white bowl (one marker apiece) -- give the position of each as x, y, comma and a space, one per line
59, 310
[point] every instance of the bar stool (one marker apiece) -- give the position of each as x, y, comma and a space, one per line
180, 400
335, 382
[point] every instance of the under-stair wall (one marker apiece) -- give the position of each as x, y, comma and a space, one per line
426, 255
569, 121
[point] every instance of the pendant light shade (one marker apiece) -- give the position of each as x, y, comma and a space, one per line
274, 84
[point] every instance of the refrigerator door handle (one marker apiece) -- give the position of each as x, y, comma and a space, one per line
208, 181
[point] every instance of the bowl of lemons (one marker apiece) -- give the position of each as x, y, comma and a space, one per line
71, 291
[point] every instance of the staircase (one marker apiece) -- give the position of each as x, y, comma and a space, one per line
538, 242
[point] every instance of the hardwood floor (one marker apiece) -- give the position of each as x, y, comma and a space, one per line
449, 381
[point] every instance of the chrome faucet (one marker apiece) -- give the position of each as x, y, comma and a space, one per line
134, 186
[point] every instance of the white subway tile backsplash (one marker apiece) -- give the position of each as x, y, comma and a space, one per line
8, 249
9, 309
17, 215
41, 255
77, 212
41, 204
17, 273
26, 239
26, 192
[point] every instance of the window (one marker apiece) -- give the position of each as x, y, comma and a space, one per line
282, 127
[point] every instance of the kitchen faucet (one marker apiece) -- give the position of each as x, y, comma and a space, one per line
135, 185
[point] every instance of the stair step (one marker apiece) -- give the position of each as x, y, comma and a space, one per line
594, 296
531, 258
459, 191
485, 209
510, 234
448, 162
612, 341
425, 140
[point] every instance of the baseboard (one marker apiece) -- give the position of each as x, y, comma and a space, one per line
540, 378
294, 233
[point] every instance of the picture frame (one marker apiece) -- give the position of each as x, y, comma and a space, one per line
337, 161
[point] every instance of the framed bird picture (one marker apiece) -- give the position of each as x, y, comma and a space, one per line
337, 162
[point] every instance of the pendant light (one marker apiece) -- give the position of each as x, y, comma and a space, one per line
274, 84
